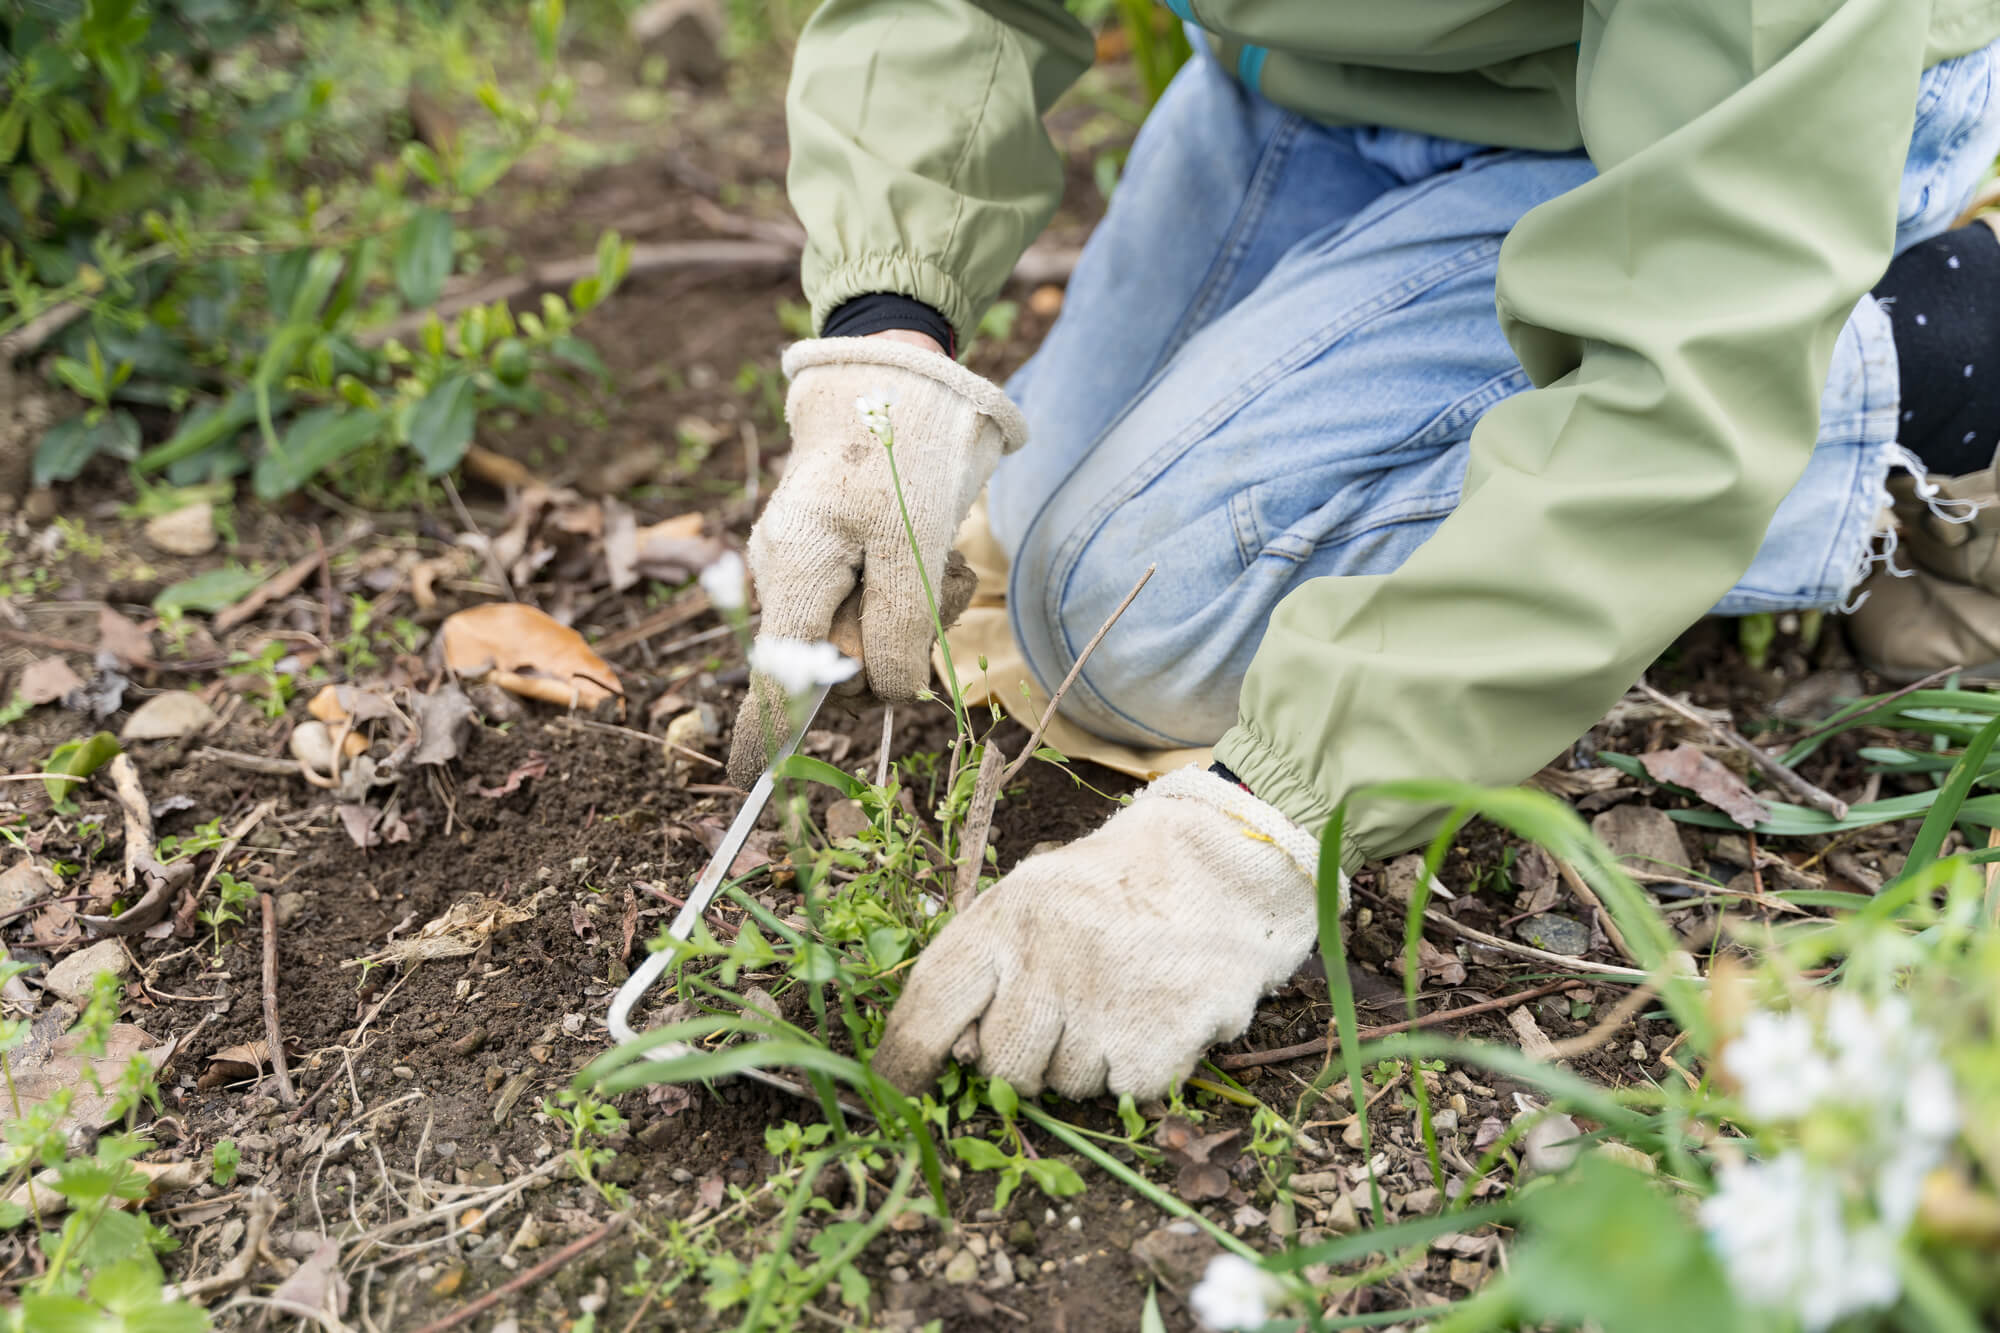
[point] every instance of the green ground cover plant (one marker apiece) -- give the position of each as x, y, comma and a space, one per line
207, 221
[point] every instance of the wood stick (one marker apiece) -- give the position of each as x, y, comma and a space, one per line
1048, 714
978, 822
272, 1036
1540, 955
513, 1284
1934, 678
1765, 764
1590, 899
1320, 1045
681, 610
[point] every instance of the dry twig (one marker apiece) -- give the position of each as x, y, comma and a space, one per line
262, 1209
1048, 714
273, 1037
978, 822
1589, 898
525, 1278
1813, 796
1320, 1045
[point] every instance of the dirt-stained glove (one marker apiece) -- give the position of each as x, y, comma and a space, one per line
1113, 963
834, 518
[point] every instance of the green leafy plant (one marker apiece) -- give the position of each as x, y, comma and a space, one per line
170, 223
232, 894
100, 1267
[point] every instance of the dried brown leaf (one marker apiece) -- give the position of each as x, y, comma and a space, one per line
468, 924
124, 639
527, 772
527, 652
47, 680
443, 717
1199, 1181
1690, 767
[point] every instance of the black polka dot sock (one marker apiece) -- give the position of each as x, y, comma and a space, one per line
1943, 300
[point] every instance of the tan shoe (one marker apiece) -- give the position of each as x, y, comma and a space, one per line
1946, 611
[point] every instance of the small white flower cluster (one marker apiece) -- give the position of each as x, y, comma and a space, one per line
726, 582
800, 666
1816, 1230
874, 414
1233, 1293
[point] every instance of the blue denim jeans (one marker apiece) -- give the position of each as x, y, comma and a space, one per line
1271, 357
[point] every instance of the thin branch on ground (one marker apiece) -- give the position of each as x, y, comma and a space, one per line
525, 1278
1055, 700
1606, 1027
1321, 1045
263, 1208
678, 612
1935, 678
1811, 795
1464, 931
273, 1036
1589, 897
978, 823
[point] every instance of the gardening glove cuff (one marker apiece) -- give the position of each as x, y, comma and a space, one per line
837, 515
1113, 963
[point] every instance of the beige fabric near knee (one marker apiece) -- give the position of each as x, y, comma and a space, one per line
986, 630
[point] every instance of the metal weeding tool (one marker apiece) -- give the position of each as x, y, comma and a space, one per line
703, 894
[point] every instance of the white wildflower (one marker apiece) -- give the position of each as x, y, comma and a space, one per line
1780, 1230
726, 582
1233, 1293
874, 414
1777, 1063
800, 666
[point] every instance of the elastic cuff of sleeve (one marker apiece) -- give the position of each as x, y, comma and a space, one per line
881, 312
1277, 783
984, 395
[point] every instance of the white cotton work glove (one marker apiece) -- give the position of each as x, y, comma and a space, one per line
834, 519
1113, 963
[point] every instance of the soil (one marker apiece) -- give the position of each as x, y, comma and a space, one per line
420, 1084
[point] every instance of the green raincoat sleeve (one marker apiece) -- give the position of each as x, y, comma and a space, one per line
919, 161
1678, 315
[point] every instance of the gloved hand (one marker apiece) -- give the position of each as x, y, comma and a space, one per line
835, 514
1115, 962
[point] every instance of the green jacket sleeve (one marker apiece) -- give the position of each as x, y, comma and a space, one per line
1678, 315
919, 162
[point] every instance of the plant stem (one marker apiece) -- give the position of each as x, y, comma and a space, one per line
1152, 1193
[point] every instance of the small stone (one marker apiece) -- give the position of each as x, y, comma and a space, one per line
899, 1274
527, 1236
1351, 1136
449, 1282
1021, 1235
470, 1043
1445, 1121
403, 1072
167, 717
1555, 934
288, 905
963, 1268
1421, 1201
495, 1076
1003, 1269
976, 1243
1342, 1216
485, 1175
189, 530
1468, 1273
72, 977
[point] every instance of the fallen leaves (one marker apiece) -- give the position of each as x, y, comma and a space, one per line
527, 652
46, 681
51, 1060
535, 767
469, 923
1202, 1159
1707, 777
